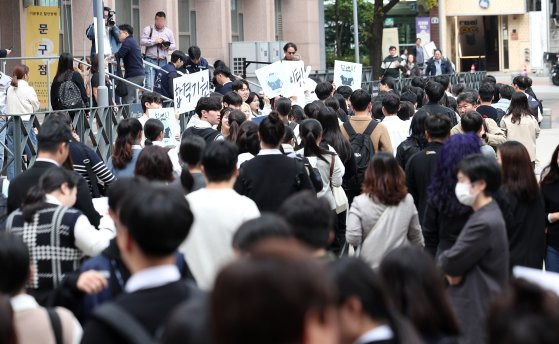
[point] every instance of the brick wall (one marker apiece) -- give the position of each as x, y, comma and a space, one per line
435, 37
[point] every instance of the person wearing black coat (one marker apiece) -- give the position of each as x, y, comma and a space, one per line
77, 79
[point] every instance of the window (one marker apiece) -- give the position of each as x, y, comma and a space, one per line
279, 21
237, 30
66, 21
187, 25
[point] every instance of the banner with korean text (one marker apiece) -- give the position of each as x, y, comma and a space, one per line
42, 40
171, 128
348, 74
189, 88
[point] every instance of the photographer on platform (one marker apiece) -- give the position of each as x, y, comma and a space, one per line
158, 40
111, 32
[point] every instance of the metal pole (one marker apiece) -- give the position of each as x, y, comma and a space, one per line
48, 107
356, 31
102, 91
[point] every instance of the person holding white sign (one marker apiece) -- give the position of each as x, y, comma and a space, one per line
163, 83
207, 110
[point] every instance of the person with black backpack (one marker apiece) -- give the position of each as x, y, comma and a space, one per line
366, 137
68, 88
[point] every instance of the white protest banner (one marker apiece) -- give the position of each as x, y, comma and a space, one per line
273, 79
296, 71
189, 88
171, 127
429, 49
347, 74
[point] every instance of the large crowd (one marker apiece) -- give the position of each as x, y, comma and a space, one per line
338, 218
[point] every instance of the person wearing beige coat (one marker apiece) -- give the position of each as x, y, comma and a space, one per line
494, 136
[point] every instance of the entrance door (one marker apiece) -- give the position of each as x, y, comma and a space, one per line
491, 34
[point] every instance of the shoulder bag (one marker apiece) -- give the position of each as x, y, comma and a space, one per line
342, 203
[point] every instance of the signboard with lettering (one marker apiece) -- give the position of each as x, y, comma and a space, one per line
189, 88
297, 74
274, 79
42, 40
348, 74
471, 35
423, 29
171, 128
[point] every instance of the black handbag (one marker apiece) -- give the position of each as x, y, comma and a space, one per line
120, 90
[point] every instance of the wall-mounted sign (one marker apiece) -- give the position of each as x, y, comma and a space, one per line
484, 4
434, 20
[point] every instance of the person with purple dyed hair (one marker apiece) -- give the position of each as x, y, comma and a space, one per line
444, 215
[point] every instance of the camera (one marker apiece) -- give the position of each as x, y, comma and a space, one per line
111, 18
166, 44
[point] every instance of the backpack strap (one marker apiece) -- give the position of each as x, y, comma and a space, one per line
349, 129
120, 321
370, 128
92, 177
56, 325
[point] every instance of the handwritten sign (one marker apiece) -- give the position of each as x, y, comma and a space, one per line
348, 74
189, 88
170, 125
429, 49
297, 75
274, 79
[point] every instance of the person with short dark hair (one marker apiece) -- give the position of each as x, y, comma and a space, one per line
522, 84
195, 62
241, 87
232, 100
163, 82
435, 92
416, 140
384, 216
159, 41
505, 92
127, 148
153, 222
271, 172
409, 96
486, 92
438, 65
386, 84
131, 56
323, 90
398, 130
149, 100
289, 51
253, 233
224, 78
419, 54
391, 64
456, 89
472, 122
477, 265
31, 322
207, 110
218, 212
53, 150
248, 142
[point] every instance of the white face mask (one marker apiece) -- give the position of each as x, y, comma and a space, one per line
463, 195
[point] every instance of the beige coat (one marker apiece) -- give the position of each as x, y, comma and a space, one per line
495, 136
525, 132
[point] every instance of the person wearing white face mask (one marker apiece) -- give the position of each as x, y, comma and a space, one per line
477, 265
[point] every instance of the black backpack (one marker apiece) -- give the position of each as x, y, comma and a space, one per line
69, 94
362, 148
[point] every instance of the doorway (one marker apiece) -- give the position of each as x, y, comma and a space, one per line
491, 25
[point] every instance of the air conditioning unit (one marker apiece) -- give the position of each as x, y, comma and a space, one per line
259, 51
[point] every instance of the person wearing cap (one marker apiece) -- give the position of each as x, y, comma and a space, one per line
53, 149
163, 83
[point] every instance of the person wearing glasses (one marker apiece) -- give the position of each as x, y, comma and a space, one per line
290, 49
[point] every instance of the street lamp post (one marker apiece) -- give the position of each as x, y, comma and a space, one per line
356, 31
102, 91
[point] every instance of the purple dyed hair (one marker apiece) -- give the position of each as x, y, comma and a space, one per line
441, 191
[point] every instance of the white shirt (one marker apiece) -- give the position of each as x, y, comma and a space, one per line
86, 237
21, 100
383, 332
25, 302
397, 129
4, 84
243, 157
152, 278
268, 151
218, 213
48, 160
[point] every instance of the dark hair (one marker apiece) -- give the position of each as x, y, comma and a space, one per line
62, 116
222, 114
65, 67
118, 190
391, 47
479, 167
409, 96
152, 129
310, 218
418, 81
497, 92
333, 103
323, 90
281, 291
223, 70
266, 227
208, 104
232, 98
297, 114
289, 135
472, 121
518, 175
282, 106
385, 181
191, 149
272, 129
156, 209
14, 263
160, 14
387, 81
312, 108
522, 82
127, 28
344, 91
443, 80
360, 100
342, 102
377, 111
154, 164
310, 130
391, 103
467, 97
127, 132
289, 45
519, 107
420, 95
149, 97
49, 181
194, 52
332, 135
239, 84
486, 92
220, 161
18, 73
406, 111
188, 323
435, 91
251, 97
506, 92
235, 119
52, 133
247, 138
417, 128
451, 103
178, 55
524, 313
456, 89
550, 174
437, 126
414, 285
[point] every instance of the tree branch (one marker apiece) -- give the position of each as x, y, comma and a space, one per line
386, 8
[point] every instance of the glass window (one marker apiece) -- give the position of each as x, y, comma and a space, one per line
505, 23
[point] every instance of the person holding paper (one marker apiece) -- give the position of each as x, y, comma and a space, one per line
163, 83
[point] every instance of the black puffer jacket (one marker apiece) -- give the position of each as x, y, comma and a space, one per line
409, 147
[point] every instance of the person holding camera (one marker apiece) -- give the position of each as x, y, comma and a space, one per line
111, 32
158, 40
